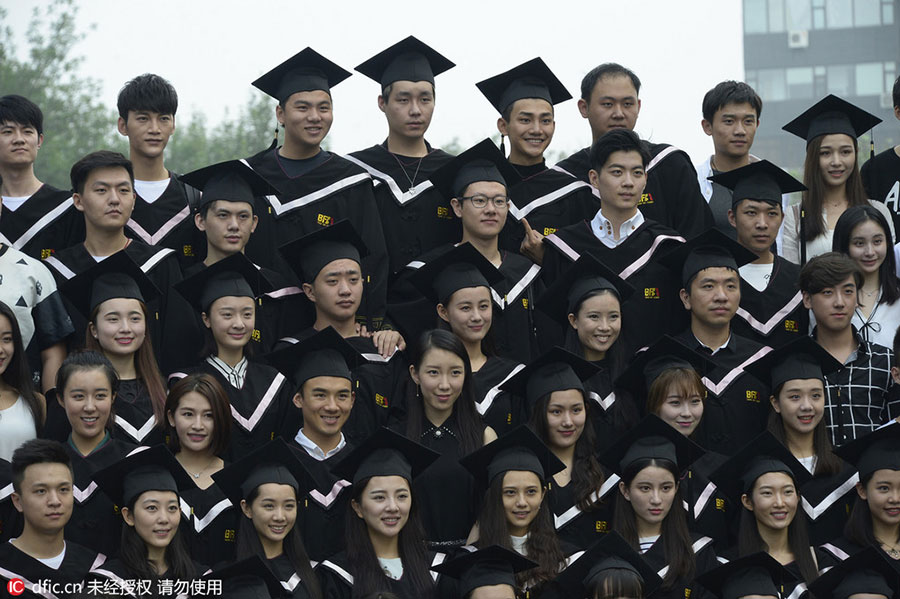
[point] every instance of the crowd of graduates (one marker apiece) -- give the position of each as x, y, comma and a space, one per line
401, 373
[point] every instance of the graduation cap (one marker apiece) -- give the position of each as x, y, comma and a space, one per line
609, 553
385, 453
117, 276
802, 358
755, 574
274, 462
651, 438
761, 181
532, 79
309, 254
249, 578
762, 455
709, 249
305, 71
646, 365
407, 60
555, 370
486, 567
482, 162
878, 450
324, 354
459, 268
151, 469
831, 115
231, 276
868, 572
229, 181
519, 449
585, 276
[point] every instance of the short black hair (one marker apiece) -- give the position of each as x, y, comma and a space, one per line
607, 69
82, 360
147, 92
730, 92
37, 451
828, 270
21, 110
617, 140
896, 92
82, 169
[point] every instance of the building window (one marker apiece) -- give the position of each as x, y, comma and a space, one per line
838, 14
866, 13
772, 85
776, 16
840, 79
887, 12
869, 79
799, 83
890, 75
798, 14
755, 16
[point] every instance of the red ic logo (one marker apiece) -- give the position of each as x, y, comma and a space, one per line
15, 587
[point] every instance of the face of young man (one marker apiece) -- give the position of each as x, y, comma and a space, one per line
530, 130
408, 108
757, 224
18, 144
108, 198
613, 104
732, 129
148, 132
486, 222
46, 497
715, 294
833, 307
337, 290
326, 402
307, 118
227, 225
621, 182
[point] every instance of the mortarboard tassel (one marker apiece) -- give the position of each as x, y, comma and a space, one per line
275, 141
503, 145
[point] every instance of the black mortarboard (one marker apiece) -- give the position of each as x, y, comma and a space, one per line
868, 572
150, 469
117, 276
481, 162
651, 438
274, 462
532, 79
229, 181
519, 449
231, 276
308, 255
324, 354
761, 181
802, 358
249, 578
458, 268
585, 276
831, 115
610, 552
305, 71
762, 455
878, 450
555, 370
709, 249
646, 365
407, 60
385, 453
755, 574
490, 566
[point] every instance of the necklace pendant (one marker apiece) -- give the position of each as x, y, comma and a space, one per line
195, 475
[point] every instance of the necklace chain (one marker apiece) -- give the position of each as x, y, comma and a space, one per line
412, 182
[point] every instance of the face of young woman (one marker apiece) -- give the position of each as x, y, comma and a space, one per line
868, 246
273, 512
193, 422
155, 517
651, 494
440, 377
681, 411
120, 328
384, 505
837, 156
566, 418
469, 313
598, 324
231, 320
522, 494
773, 500
801, 404
87, 400
7, 346
882, 493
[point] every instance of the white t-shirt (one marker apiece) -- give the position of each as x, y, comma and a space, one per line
518, 544
51, 562
757, 275
16, 427
647, 542
12, 203
150, 191
392, 567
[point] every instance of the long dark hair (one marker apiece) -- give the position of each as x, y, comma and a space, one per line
827, 463
248, 545
368, 576
843, 231
471, 427
615, 355
587, 475
676, 538
814, 180
858, 529
18, 375
542, 545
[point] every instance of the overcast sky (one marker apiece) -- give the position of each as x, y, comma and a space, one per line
212, 49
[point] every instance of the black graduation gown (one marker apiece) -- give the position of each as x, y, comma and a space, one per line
10, 518
840, 548
135, 422
655, 308
337, 579
737, 404
577, 528
827, 501
796, 588
335, 190
613, 411
495, 406
46, 222
774, 316
709, 513
514, 323
415, 218
168, 222
284, 571
209, 524
75, 566
114, 574
705, 559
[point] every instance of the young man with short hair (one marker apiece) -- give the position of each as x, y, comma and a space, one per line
857, 398
609, 100
162, 214
881, 174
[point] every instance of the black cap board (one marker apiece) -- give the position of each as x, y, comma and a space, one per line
324, 354
532, 79
831, 115
117, 276
459, 268
585, 276
760, 180
231, 276
647, 364
309, 254
491, 566
709, 249
481, 162
229, 181
878, 450
385, 453
305, 71
764, 454
144, 469
555, 370
249, 578
407, 60
651, 438
868, 571
802, 358
519, 449
754, 574
274, 462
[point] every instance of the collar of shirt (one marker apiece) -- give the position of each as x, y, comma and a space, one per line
603, 230
716, 350
860, 353
234, 375
314, 450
